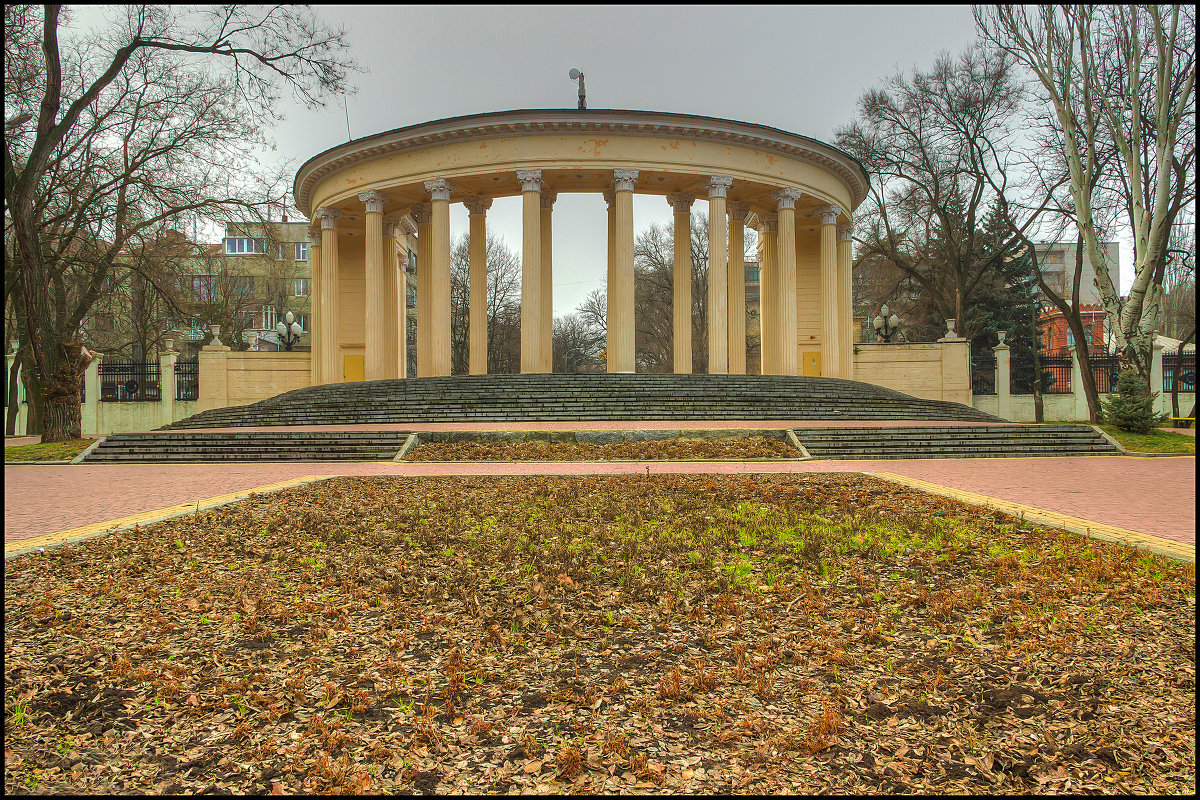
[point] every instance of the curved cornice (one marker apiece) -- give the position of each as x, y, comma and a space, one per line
557, 121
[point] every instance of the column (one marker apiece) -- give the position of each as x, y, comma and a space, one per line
477, 206
316, 309
788, 355
439, 276
768, 294
623, 357
547, 291
422, 215
393, 295
403, 232
331, 362
610, 197
682, 280
737, 287
845, 299
1162, 403
718, 276
374, 313
1078, 395
531, 269
830, 349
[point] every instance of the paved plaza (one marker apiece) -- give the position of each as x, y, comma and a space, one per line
1146, 500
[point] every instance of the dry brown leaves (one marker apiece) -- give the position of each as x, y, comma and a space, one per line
659, 449
602, 634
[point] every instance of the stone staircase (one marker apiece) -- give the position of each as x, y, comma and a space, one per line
553, 398
963, 441
258, 446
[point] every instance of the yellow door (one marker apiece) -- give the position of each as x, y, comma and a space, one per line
352, 368
811, 363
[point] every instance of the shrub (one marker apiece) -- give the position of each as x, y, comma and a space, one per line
1131, 408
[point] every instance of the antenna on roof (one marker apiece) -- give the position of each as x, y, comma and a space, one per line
576, 75
346, 109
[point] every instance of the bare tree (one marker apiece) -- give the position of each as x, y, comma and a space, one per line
112, 132
577, 345
933, 140
1118, 77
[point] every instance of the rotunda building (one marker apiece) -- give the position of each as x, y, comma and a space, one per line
374, 200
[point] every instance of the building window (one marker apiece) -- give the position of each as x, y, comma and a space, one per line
242, 285
302, 287
303, 320
751, 273
1087, 336
302, 252
204, 288
1070, 339
238, 245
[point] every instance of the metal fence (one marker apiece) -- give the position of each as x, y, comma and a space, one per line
1183, 365
1055, 375
1105, 370
187, 379
123, 381
983, 373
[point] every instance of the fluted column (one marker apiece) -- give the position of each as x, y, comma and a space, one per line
317, 309
845, 299
737, 287
768, 294
393, 295
547, 291
439, 278
422, 215
830, 342
531, 269
330, 297
477, 354
682, 279
623, 357
375, 330
610, 198
718, 276
785, 206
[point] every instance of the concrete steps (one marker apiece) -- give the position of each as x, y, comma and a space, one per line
967, 441
548, 398
269, 446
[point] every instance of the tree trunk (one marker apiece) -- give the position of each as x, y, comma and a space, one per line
64, 420
34, 400
10, 423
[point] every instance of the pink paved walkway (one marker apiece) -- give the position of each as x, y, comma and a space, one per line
1149, 495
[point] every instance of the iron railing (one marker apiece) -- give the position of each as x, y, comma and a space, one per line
983, 373
1055, 377
1105, 370
1183, 365
123, 381
187, 378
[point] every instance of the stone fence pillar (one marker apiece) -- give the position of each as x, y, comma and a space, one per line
166, 366
1078, 394
90, 417
1003, 381
1162, 403
214, 374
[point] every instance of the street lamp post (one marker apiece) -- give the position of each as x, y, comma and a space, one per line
289, 331
886, 325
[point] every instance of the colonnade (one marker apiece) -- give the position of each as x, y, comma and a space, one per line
385, 253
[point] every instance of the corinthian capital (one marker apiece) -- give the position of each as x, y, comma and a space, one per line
785, 198
624, 180
548, 198
718, 185
738, 211
768, 223
373, 201
422, 213
531, 180
477, 204
845, 232
314, 236
828, 214
439, 188
393, 227
329, 218
610, 197
681, 202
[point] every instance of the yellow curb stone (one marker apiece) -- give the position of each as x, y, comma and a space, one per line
1180, 551
148, 517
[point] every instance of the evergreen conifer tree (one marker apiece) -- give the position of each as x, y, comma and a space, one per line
1131, 408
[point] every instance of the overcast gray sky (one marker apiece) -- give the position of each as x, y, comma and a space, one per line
796, 68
